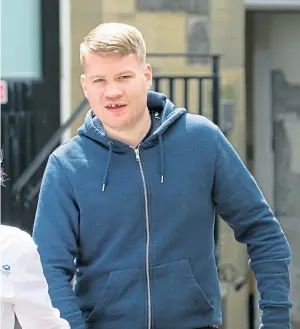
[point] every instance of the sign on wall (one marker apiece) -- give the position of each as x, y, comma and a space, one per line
3, 92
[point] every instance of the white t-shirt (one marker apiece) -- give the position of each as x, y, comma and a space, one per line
23, 288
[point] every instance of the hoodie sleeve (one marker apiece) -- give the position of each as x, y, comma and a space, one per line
32, 303
241, 204
56, 234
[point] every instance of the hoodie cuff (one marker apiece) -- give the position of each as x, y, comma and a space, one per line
276, 317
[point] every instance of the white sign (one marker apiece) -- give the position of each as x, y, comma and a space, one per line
3, 92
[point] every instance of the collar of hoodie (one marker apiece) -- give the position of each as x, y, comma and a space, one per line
163, 114
109, 160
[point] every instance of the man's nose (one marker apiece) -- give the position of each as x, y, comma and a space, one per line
113, 91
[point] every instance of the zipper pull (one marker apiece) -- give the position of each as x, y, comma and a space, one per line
137, 154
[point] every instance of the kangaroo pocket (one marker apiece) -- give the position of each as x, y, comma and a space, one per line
121, 301
177, 297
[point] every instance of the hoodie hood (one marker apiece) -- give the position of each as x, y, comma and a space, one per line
157, 103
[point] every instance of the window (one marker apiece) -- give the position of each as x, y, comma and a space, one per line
21, 40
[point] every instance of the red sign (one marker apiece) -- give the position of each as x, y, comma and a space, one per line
3, 92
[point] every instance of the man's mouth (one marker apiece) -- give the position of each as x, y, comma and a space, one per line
115, 106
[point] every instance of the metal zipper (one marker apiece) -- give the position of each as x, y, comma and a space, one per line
137, 153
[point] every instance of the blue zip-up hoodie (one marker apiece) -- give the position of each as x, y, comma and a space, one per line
140, 225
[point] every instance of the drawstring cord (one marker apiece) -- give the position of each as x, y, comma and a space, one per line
161, 151
161, 159
105, 178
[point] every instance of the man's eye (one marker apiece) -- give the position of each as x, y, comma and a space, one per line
98, 80
124, 76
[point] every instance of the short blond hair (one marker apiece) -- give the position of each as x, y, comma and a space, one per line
114, 38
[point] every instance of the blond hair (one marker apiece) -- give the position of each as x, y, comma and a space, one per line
114, 38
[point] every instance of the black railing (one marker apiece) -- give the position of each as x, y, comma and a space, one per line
24, 128
17, 131
24, 161
214, 77
24, 186
42, 156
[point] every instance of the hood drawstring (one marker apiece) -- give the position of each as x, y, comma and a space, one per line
110, 145
161, 146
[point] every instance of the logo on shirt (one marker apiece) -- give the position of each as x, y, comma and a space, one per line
5, 269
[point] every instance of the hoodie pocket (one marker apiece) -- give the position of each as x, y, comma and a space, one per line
177, 296
121, 302
105, 298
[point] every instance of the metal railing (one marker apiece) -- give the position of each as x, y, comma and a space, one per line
25, 177
214, 77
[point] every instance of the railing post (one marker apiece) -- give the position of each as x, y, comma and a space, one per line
216, 88
215, 105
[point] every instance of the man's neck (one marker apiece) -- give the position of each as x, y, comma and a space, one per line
133, 135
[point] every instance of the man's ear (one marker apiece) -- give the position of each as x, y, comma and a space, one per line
83, 84
148, 75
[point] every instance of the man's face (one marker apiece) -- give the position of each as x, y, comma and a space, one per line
116, 87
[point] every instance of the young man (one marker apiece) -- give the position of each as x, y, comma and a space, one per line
128, 206
23, 287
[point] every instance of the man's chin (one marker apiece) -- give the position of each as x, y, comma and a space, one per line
120, 126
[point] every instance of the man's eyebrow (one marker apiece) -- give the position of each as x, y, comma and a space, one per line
100, 76
97, 76
125, 71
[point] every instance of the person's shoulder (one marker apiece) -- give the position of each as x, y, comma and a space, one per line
201, 128
15, 240
197, 121
13, 233
69, 149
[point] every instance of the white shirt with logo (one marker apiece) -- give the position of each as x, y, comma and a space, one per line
23, 287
